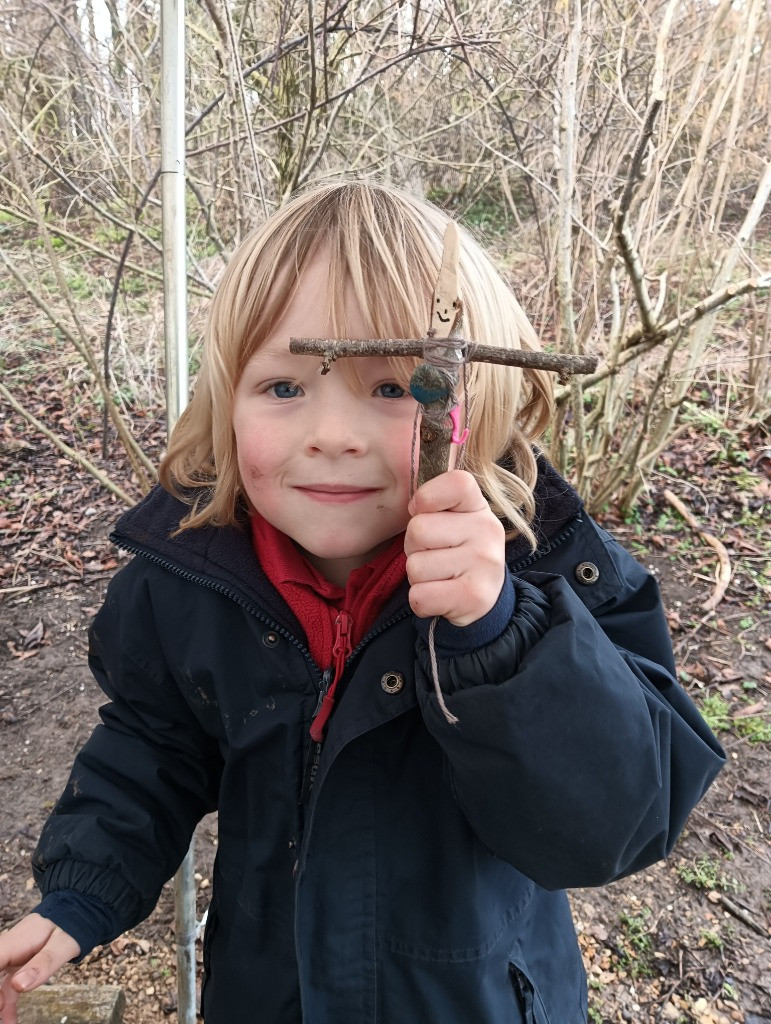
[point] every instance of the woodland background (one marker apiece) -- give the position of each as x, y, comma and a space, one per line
614, 157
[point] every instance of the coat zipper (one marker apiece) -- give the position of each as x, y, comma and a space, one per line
341, 650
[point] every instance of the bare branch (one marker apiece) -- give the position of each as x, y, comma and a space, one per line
81, 460
331, 349
634, 347
623, 234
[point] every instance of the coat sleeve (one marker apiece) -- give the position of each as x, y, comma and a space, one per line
142, 781
577, 756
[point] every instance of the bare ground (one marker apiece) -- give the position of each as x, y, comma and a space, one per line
688, 940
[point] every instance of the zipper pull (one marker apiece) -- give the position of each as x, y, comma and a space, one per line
341, 649
342, 646
326, 678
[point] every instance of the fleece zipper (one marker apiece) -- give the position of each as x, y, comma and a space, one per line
341, 650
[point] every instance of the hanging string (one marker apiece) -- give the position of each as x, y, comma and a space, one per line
415, 425
449, 716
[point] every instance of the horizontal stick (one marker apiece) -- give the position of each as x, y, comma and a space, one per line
331, 349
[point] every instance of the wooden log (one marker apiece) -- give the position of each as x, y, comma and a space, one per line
72, 1004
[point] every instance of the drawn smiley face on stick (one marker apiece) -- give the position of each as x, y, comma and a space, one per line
443, 315
446, 306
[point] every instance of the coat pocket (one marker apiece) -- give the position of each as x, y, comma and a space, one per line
528, 1000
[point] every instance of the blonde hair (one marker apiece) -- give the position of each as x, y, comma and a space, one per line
386, 246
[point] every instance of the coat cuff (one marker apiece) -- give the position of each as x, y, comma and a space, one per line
85, 918
450, 640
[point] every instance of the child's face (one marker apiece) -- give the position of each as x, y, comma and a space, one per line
324, 460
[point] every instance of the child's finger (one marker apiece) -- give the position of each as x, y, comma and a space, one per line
8, 1000
461, 601
58, 950
25, 939
455, 491
431, 531
30, 953
443, 564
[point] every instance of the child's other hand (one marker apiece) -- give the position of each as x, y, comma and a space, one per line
30, 953
455, 550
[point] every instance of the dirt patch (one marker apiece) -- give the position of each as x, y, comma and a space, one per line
685, 941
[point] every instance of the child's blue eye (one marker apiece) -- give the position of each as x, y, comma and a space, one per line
285, 389
390, 390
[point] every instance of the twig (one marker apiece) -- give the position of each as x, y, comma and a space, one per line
75, 190
623, 235
723, 575
331, 349
707, 305
633, 345
24, 590
637, 156
698, 813
139, 461
39, 707
196, 287
95, 472
742, 915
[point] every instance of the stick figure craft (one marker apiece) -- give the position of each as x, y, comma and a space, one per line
446, 354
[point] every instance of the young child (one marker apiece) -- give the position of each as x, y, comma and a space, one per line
376, 862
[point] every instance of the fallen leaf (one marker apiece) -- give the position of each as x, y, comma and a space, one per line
21, 655
34, 637
753, 709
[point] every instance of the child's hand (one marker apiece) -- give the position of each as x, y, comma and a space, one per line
455, 550
30, 953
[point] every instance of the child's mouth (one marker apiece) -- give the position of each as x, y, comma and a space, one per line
339, 494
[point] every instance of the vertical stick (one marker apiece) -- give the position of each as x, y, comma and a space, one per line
433, 383
566, 180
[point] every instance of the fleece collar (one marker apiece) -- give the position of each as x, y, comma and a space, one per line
315, 601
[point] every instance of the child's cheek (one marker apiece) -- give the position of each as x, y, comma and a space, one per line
250, 472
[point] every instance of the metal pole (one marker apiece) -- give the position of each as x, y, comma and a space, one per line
177, 387
173, 200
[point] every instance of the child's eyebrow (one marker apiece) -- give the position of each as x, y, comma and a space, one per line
269, 356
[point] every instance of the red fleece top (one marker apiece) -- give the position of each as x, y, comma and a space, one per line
334, 618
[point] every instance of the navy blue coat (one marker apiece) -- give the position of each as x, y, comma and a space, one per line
423, 877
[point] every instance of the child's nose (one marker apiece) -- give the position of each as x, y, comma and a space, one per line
334, 427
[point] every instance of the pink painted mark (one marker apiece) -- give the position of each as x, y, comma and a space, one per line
457, 438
